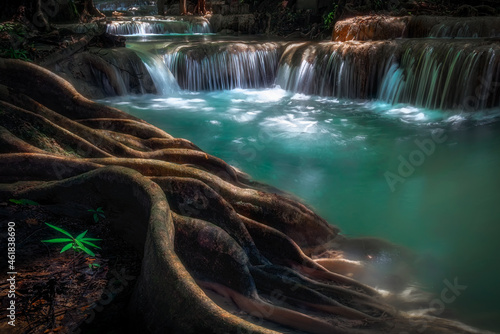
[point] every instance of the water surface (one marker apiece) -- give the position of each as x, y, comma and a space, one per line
342, 158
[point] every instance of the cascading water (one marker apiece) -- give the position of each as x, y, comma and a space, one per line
158, 27
163, 79
430, 73
445, 75
347, 70
328, 120
223, 66
465, 27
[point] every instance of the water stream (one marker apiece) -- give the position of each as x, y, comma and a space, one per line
378, 146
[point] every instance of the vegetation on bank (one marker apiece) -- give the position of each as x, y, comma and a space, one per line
289, 17
47, 32
315, 19
27, 27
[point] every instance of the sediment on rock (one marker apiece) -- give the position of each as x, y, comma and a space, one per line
381, 27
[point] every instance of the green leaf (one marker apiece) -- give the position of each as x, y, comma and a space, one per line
65, 248
96, 217
60, 230
23, 201
91, 210
86, 250
81, 235
89, 243
79, 243
99, 209
93, 239
58, 240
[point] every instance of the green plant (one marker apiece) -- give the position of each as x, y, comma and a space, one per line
77, 244
98, 213
94, 265
13, 28
15, 54
23, 201
329, 18
7, 27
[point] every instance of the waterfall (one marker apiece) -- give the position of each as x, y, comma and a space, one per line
465, 27
462, 74
432, 73
459, 29
348, 70
224, 65
445, 75
158, 27
163, 79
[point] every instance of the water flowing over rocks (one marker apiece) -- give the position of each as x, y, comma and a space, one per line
151, 25
442, 73
223, 65
397, 71
200, 223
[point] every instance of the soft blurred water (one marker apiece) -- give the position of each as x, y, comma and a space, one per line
335, 155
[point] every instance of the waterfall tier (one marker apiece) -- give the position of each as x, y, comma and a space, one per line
216, 66
459, 74
154, 26
432, 73
455, 75
454, 27
346, 70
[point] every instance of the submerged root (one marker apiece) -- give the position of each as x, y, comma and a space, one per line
199, 222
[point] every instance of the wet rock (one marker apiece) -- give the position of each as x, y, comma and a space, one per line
98, 74
378, 27
381, 27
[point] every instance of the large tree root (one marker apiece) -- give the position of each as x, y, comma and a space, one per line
201, 225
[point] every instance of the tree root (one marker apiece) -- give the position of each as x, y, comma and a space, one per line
198, 222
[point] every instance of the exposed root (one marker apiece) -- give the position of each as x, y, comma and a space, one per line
129, 126
11, 143
192, 215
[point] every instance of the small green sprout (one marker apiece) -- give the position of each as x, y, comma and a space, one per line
77, 244
23, 201
15, 54
94, 265
10, 27
98, 213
